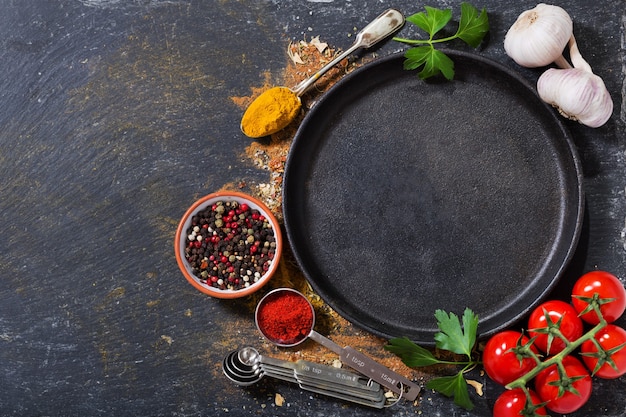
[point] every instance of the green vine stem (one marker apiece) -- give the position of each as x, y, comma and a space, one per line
557, 359
429, 41
531, 408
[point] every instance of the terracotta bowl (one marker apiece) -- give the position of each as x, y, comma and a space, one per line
247, 281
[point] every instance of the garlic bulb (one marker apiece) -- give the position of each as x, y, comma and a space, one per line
577, 94
538, 37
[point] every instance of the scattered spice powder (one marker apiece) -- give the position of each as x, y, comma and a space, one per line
270, 155
306, 58
285, 317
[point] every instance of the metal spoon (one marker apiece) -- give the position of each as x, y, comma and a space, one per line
238, 371
381, 27
246, 367
313, 373
348, 355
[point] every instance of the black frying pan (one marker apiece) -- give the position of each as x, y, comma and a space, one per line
402, 196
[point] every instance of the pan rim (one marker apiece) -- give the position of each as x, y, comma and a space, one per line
425, 335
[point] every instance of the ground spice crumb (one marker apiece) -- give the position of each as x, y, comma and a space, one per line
272, 156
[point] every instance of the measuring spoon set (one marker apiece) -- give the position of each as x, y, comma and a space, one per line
247, 366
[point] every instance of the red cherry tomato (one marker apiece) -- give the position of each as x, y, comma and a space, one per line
511, 403
569, 401
611, 338
606, 286
501, 364
570, 325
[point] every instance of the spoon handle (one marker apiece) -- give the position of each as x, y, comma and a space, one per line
321, 374
381, 27
370, 368
379, 373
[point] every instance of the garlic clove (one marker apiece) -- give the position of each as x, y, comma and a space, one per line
539, 36
577, 94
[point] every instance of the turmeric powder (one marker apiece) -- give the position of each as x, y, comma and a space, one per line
270, 112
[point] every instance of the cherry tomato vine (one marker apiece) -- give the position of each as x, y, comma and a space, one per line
539, 367
561, 380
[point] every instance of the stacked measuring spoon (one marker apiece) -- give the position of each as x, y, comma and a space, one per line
247, 366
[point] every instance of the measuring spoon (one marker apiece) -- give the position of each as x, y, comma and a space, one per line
314, 376
244, 368
278, 116
239, 372
348, 355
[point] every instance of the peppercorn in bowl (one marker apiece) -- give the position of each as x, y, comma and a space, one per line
228, 244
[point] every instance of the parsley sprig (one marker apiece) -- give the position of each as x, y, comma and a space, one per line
453, 337
473, 26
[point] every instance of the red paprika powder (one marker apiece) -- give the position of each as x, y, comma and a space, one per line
285, 317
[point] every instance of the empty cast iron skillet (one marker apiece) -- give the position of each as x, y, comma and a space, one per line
404, 196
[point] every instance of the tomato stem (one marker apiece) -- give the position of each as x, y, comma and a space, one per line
558, 358
530, 409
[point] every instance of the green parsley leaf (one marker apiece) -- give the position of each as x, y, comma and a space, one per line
473, 26
411, 354
416, 57
432, 21
453, 386
452, 336
434, 62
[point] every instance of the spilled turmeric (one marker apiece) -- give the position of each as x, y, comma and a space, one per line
270, 112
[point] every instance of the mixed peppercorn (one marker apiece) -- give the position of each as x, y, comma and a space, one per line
230, 245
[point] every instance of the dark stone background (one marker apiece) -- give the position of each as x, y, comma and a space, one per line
115, 116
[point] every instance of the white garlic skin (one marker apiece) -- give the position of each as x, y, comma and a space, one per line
577, 94
539, 36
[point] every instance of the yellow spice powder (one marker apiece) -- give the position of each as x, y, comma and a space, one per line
270, 112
